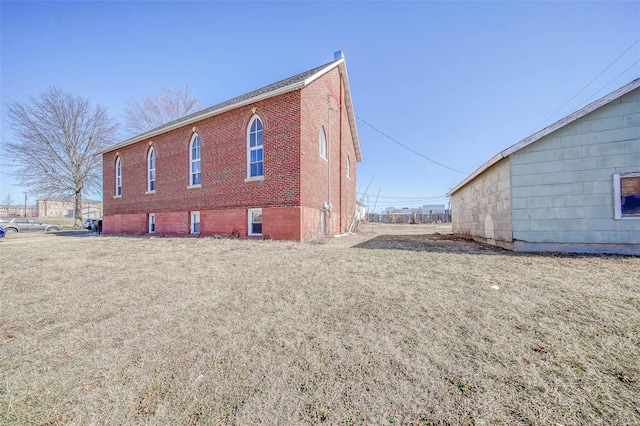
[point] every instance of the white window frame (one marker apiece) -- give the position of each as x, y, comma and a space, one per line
250, 222
256, 148
118, 177
152, 223
322, 143
151, 170
195, 219
193, 161
617, 195
348, 167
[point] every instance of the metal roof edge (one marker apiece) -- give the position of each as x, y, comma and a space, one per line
350, 113
576, 115
499, 156
323, 71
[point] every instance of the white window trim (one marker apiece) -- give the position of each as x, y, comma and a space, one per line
191, 160
192, 222
322, 137
249, 222
617, 193
348, 167
118, 176
152, 221
250, 148
149, 169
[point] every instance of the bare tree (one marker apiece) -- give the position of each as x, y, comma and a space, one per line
151, 112
7, 201
57, 137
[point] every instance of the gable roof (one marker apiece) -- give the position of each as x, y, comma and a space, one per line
548, 130
290, 84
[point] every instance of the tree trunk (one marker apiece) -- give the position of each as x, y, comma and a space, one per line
78, 208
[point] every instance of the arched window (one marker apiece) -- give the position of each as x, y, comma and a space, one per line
255, 151
194, 160
151, 170
322, 144
348, 166
118, 177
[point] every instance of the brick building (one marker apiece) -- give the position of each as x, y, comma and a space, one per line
278, 162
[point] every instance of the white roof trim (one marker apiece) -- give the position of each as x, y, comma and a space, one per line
548, 130
349, 104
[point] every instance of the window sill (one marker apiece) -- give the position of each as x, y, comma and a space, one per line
255, 178
626, 217
151, 192
194, 186
323, 158
117, 196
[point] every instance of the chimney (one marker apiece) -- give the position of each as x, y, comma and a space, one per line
338, 55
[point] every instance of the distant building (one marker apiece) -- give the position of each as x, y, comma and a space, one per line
65, 208
433, 209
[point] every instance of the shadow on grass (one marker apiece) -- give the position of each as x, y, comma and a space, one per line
458, 244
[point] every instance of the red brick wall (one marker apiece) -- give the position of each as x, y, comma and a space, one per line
281, 223
316, 99
224, 164
294, 174
224, 222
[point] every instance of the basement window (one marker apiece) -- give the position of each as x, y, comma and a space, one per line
255, 222
195, 222
626, 192
152, 223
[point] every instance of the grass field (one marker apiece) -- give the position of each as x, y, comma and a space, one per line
110, 330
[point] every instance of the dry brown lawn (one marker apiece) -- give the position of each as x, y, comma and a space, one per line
359, 330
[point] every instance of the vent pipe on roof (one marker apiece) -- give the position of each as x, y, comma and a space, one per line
338, 55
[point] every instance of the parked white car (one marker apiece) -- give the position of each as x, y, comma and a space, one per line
22, 224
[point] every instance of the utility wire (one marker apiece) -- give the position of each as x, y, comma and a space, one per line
588, 84
392, 197
410, 149
612, 80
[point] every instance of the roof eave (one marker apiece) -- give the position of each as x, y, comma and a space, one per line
147, 135
548, 130
350, 113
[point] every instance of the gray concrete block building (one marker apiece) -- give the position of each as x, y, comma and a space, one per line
573, 186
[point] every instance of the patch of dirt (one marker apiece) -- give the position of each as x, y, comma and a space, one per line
436, 242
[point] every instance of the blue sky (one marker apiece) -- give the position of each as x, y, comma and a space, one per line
455, 81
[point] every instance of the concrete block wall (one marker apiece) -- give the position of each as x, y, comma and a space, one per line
562, 185
482, 208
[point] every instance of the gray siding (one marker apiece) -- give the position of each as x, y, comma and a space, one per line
482, 208
562, 185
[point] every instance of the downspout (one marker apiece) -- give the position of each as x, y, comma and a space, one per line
328, 206
341, 155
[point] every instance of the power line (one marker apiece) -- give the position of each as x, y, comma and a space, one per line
410, 149
613, 79
588, 84
396, 197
